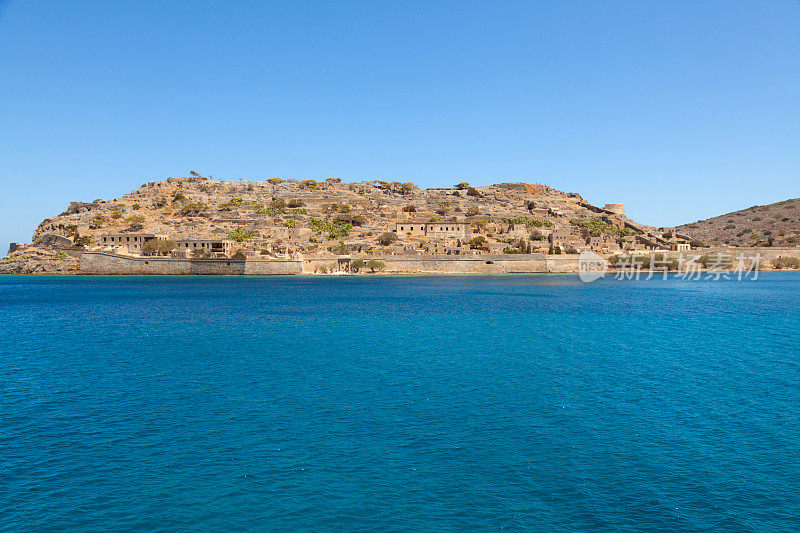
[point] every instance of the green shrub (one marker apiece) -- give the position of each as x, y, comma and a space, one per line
786, 262
334, 230
594, 226
527, 222
353, 220
240, 235
238, 254
82, 240
60, 255
387, 238
235, 202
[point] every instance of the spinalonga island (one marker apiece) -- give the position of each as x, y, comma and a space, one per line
199, 225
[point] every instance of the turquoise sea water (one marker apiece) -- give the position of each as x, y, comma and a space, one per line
399, 404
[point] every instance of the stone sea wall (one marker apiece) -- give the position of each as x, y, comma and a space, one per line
107, 263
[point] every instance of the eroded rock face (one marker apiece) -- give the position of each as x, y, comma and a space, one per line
55, 241
80, 207
36, 260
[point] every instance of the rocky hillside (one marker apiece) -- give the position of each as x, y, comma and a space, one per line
280, 218
776, 224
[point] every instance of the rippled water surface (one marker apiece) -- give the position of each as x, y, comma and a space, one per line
399, 403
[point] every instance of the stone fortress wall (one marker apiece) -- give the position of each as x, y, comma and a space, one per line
113, 264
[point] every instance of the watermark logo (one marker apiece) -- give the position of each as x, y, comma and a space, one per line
592, 266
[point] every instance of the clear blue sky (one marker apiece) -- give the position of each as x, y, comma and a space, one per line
681, 110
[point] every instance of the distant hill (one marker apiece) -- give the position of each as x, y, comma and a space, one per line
775, 224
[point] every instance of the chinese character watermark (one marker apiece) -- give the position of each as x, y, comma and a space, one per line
714, 267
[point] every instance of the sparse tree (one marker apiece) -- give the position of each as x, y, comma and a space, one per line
374, 264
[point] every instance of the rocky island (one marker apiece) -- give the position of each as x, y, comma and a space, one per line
198, 225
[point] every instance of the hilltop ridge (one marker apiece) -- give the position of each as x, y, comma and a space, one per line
776, 224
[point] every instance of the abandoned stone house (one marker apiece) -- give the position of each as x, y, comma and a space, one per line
565, 238
131, 241
434, 229
210, 246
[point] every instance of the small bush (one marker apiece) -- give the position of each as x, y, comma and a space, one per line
235, 202
385, 239
786, 262
82, 240
238, 254
240, 235
353, 220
